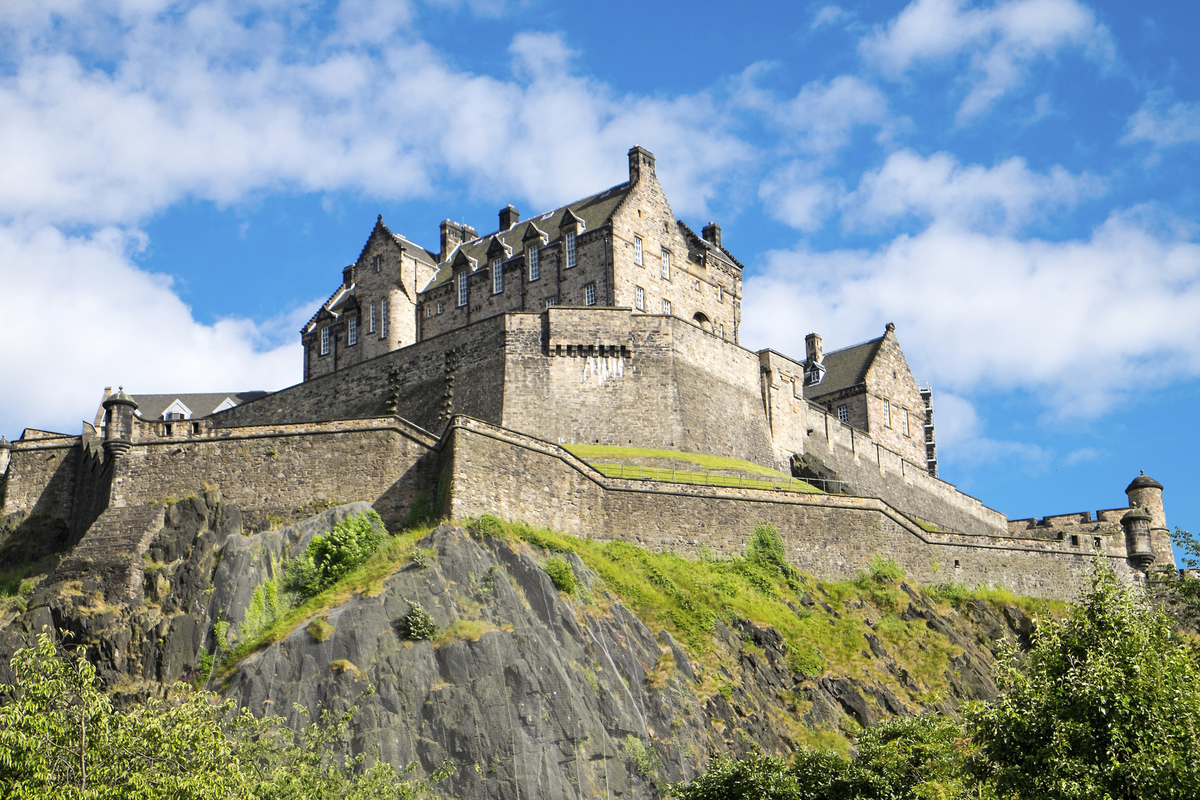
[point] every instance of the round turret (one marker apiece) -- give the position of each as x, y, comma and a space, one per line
1138, 546
118, 422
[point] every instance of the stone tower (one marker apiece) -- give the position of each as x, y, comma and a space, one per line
118, 422
1146, 493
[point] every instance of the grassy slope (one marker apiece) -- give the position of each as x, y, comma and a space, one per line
690, 597
598, 452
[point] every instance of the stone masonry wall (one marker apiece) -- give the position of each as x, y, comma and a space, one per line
274, 470
892, 395
831, 537
41, 476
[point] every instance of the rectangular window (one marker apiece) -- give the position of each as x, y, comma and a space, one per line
666, 306
428, 310
906, 433
534, 266
639, 298
440, 306
497, 277
887, 413
352, 331
589, 294
666, 265
637, 250
549, 302
462, 289
325, 341
570, 250
372, 323
721, 329
843, 414
720, 294
383, 318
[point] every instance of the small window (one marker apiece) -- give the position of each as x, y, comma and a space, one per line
843, 414
904, 412
589, 294
639, 298
383, 318
721, 329
637, 250
570, 250
666, 265
352, 331
372, 322
325, 341
720, 294
1096, 542
428, 310
550, 301
887, 413
497, 277
441, 306
462, 289
696, 285
534, 266
377, 263
1074, 540
666, 306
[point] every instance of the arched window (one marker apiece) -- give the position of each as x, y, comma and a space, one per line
702, 320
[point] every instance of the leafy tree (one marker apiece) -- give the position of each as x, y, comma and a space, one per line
755, 777
1180, 593
329, 558
61, 737
1105, 705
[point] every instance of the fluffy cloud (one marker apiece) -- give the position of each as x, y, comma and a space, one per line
1003, 197
1163, 123
1078, 323
1001, 42
81, 317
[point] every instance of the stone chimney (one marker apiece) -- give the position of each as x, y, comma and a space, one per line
509, 216
453, 234
348, 275
641, 162
712, 234
812, 343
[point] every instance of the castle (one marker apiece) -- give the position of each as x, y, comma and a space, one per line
486, 377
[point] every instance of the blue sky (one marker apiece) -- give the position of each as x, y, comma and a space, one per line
1012, 183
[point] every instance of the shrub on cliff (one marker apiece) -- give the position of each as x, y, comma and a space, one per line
330, 558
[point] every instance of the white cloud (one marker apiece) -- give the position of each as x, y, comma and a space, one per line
960, 435
797, 194
1003, 197
87, 318
1001, 41
1162, 123
1079, 323
830, 15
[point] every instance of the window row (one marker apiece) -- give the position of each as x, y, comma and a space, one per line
352, 328
888, 418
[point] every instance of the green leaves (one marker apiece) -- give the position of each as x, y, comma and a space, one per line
60, 737
330, 558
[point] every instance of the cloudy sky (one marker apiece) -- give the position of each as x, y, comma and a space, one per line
1012, 183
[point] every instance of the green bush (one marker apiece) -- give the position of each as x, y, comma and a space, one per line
417, 624
421, 513
330, 558
561, 575
487, 526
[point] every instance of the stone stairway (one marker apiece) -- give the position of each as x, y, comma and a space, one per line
109, 556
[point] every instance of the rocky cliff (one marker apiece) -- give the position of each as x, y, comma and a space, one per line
529, 691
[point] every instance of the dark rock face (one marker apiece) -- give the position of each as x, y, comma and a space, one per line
808, 467
529, 692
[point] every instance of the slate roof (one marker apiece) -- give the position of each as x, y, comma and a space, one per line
152, 406
845, 368
719, 251
594, 212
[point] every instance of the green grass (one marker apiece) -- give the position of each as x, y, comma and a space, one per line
772, 479
588, 452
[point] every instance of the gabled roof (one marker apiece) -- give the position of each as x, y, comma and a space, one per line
153, 406
592, 211
719, 252
414, 250
845, 368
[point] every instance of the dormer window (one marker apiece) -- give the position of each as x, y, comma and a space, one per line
570, 244
814, 375
497, 276
637, 250
666, 265
534, 266
352, 331
325, 341
462, 289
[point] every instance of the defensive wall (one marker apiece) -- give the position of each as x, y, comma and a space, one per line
478, 468
609, 376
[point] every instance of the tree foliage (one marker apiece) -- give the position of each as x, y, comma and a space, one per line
1105, 705
329, 558
61, 737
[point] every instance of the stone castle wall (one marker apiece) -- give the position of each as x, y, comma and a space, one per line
832, 537
41, 475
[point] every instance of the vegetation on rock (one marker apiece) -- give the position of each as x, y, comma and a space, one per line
330, 558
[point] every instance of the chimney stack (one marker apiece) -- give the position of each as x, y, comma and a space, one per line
641, 161
712, 233
812, 349
454, 234
348, 276
509, 216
